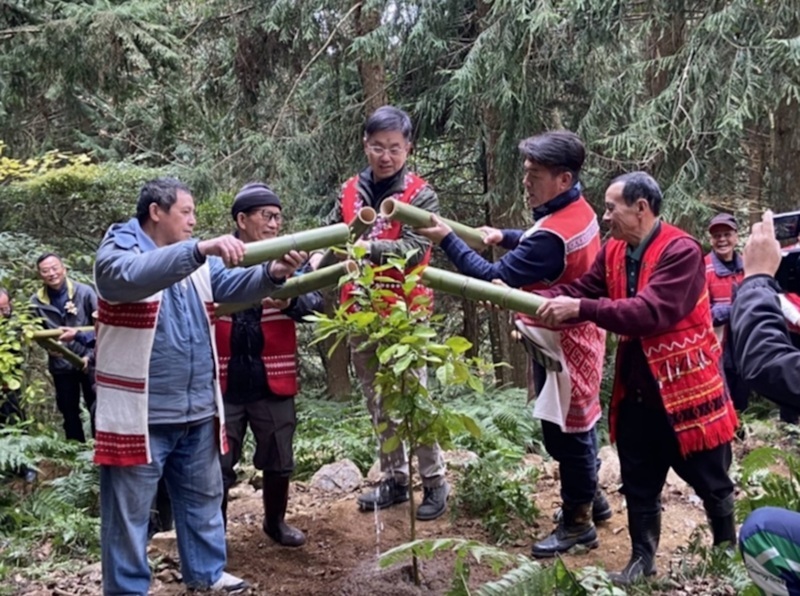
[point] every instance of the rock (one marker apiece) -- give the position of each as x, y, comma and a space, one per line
240, 490
675, 484
458, 459
609, 474
374, 474
340, 476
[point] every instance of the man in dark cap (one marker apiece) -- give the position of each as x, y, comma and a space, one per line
724, 271
258, 372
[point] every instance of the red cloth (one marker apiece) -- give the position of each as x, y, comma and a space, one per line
583, 345
279, 354
385, 229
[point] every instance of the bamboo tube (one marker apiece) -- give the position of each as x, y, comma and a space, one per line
297, 286
419, 218
56, 333
476, 289
358, 227
275, 248
52, 345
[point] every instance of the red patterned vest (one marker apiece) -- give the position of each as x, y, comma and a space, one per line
386, 229
584, 344
720, 287
279, 354
684, 360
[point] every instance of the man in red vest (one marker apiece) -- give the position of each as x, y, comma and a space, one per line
387, 142
559, 248
258, 372
724, 271
669, 406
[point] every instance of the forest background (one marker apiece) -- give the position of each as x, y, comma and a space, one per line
97, 96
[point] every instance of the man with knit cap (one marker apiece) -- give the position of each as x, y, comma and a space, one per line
669, 406
258, 372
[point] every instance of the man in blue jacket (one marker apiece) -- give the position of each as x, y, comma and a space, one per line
159, 408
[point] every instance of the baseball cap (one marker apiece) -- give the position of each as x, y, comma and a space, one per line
724, 219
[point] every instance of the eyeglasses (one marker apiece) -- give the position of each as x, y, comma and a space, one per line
269, 216
378, 151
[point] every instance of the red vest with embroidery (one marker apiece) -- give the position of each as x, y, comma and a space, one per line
386, 229
720, 287
584, 344
684, 360
279, 354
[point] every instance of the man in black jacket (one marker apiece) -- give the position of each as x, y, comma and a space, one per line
62, 302
769, 539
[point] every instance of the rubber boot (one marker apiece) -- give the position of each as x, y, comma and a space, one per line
723, 526
575, 527
276, 497
601, 510
645, 531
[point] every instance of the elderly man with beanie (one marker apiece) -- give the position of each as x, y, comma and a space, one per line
258, 372
725, 271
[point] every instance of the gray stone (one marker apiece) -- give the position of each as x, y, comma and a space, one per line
609, 475
341, 476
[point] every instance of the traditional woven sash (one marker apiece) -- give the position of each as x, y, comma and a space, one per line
125, 336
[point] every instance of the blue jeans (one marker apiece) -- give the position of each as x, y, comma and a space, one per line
188, 458
576, 454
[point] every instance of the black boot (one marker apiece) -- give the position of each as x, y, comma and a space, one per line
723, 526
645, 531
389, 492
601, 510
575, 527
225, 510
276, 497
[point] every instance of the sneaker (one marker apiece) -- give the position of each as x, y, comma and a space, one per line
389, 492
230, 584
434, 502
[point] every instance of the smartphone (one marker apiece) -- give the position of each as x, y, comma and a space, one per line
787, 225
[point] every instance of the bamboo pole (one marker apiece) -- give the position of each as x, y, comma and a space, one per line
476, 289
275, 248
419, 218
56, 333
297, 286
364, 220
52, 345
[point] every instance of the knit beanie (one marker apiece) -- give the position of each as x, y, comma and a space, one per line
254, 194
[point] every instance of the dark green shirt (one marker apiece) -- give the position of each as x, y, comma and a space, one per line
633, 259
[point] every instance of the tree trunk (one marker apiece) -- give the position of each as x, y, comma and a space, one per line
785, 166
472, 328
371, 72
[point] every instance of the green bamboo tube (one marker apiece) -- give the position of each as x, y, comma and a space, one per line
476, 289
297, 286
419, 218
53, 346
364, 220
275, 248
55, 333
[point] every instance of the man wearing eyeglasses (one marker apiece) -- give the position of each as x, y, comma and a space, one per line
387, 142
258, 373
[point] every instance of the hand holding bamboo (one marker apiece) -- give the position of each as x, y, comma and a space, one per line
275, 248
56, 333
297, 286
52, 345
419, 218
476, 289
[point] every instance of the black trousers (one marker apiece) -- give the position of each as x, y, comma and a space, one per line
68, 399
648, 448
273, 422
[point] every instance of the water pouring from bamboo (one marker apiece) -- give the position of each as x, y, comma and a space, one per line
365, 219
297, 286
307, 240
419, 218
476, 289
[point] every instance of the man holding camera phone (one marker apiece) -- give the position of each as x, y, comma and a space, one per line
770, 364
